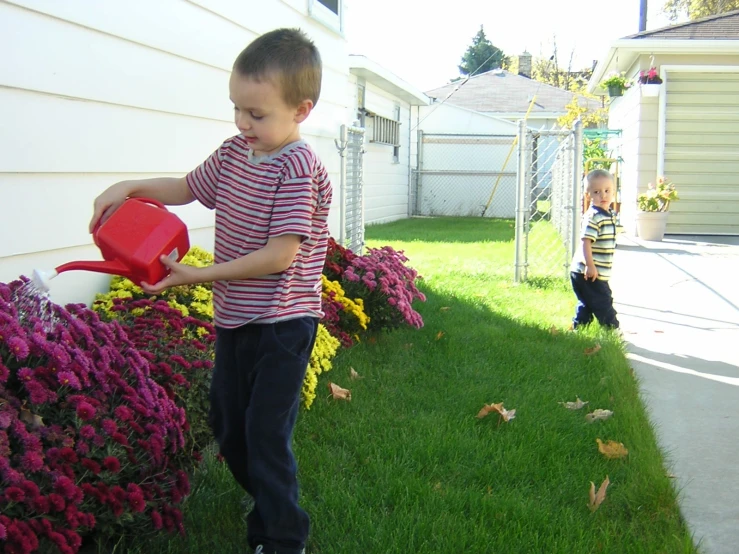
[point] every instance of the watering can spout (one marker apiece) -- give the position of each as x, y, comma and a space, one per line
110, 267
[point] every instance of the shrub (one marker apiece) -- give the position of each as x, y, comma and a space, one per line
180, 352
88, 440
190, 300
387, 286
338, 259
320, 361
344, 318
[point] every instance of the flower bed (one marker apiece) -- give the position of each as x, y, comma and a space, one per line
89, 442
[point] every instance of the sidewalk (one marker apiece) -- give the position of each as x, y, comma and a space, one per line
678, 303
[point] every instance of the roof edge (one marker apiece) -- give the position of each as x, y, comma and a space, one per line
684, 24
633, 48
384, 79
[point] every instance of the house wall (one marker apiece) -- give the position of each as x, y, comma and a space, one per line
94, 93
636, 117
699, 155
385, 181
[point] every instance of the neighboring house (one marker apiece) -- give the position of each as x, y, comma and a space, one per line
92, 93
506, 95
690, 131
383, 107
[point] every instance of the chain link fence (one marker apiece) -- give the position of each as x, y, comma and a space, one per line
548, 209
351, 150
464, 175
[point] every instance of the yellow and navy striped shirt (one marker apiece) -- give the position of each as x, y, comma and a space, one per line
599, 226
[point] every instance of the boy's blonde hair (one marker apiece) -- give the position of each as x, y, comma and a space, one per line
289, 59
597, 175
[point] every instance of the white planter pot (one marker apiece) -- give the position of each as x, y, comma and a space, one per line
650, 90
651, 225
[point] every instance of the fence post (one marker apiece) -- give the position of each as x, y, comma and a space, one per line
341, 146
419, 172
577, 162
522, 205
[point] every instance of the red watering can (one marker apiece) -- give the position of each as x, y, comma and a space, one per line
131, 241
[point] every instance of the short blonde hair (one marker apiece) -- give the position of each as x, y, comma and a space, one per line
289, 59
597, 175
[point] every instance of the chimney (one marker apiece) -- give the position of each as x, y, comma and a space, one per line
524, 64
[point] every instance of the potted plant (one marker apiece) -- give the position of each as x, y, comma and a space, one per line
651, 219
650, 82
615, 83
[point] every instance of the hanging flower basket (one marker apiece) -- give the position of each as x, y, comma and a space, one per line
650, 90
615, 90
615, 83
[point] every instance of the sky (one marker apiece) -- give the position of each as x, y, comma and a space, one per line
423, 45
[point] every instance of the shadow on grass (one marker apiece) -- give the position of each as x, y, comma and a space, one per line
445, 229
407, 467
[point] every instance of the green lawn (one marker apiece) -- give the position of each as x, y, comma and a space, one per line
406, 467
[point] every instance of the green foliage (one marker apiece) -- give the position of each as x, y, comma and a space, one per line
590, 118
657, 199
696, 9
481, 56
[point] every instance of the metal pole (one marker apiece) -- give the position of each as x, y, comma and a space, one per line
577, 162
419, 171
643, 15
521, 205
342, 145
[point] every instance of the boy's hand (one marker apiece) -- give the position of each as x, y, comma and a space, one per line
180, 274
591, 272
108, 202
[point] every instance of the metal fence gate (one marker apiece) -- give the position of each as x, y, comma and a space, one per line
548, 206
464, 175
351, 150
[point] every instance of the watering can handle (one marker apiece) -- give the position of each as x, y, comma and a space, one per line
151, 201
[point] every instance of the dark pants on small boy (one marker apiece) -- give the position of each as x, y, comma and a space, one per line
255, 395
594, 299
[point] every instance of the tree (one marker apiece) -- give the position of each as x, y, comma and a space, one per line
695, 9
481, 56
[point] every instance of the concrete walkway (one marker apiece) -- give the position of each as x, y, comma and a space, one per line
678, 303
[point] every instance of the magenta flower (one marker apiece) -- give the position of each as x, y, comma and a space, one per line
112, 464
15, 494
85, 411
32, 462
109, 426
18, 347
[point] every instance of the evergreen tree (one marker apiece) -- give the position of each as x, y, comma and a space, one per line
481, 54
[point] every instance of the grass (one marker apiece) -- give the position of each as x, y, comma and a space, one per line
406, 467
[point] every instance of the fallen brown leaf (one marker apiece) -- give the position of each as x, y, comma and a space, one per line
338, 393
505, 415
439, 335
353, 374
553, 330
408, 345
595, 415
372, 340
612, 450
445, 309
597, 498
593, 350
577, 405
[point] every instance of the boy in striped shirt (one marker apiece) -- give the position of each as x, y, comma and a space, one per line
592, 263
271, 196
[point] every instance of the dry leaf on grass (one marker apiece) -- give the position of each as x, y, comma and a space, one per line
445, 309
439, 335
594, 350
597, 498
612, 450
595, 415
353, 374
338, 393
577, 405
505, 415
408, 345
553, 330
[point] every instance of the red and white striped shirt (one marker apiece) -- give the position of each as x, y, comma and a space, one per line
257, 198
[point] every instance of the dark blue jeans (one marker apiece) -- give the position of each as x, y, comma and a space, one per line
254, 396
594, 299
